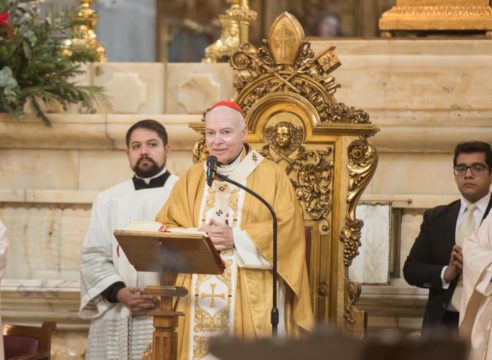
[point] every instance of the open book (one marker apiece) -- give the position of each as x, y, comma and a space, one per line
150, 246
157, 226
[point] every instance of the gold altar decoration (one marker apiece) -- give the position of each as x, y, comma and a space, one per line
235, 31
84, 31
437, 15
287, 93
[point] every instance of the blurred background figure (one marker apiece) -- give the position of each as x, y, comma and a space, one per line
329, 25
126, 29
191, 26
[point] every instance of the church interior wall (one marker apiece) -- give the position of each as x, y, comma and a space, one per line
424, 95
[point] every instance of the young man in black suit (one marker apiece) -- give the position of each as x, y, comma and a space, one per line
435, 260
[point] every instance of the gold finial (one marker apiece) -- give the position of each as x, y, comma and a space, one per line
286, 36
235, 31
84, 31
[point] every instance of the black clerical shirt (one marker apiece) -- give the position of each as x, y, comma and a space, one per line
158, 181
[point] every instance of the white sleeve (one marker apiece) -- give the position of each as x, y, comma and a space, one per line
444, 284
484, 286
247, 255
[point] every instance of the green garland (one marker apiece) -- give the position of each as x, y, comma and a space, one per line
32, 65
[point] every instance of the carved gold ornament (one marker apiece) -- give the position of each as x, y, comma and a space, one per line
286, 62
84, 32
437, 15
235, 30
362, 162
310, 171
200, 152
283, 138
354, 290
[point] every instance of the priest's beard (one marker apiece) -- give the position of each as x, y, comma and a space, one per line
147, 170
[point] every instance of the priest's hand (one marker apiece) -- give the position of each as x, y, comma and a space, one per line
221, 235
136, 301
455, 264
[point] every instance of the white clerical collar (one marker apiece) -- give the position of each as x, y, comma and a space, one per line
481, 204
229, 168
147, 180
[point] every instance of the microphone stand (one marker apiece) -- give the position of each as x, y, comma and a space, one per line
274, 313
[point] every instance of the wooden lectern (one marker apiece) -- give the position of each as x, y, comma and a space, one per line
168, 254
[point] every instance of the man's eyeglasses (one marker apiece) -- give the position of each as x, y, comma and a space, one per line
476, 169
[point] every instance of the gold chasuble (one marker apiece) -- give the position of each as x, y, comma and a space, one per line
239, 301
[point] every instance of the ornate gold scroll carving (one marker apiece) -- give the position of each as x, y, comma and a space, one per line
286, 62
437, 15
354, 290
362, 162
310, 171
308, 76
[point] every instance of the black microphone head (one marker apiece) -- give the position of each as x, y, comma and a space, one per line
212, 160
211, 169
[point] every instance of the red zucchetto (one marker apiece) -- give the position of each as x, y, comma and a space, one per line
229, 104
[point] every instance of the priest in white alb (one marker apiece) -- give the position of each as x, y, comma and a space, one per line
239, 301
111, 288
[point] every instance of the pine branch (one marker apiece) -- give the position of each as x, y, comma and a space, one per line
39, 112
33, 51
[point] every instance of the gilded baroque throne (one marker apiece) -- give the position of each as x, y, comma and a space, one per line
287, 94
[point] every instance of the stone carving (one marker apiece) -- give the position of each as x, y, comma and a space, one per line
197, 92
128, 92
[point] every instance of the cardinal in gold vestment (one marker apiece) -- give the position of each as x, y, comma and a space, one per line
241, 228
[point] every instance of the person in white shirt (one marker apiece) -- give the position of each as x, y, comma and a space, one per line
476, 302
111, 288
436, 260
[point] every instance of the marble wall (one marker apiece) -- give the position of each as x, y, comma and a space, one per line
425, 96
372, 265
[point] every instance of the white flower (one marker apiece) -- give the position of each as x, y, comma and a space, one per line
26, 17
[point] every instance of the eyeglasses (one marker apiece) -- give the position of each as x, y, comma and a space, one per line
475, 169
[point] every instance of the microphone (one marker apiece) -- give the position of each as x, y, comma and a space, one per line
211, 169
